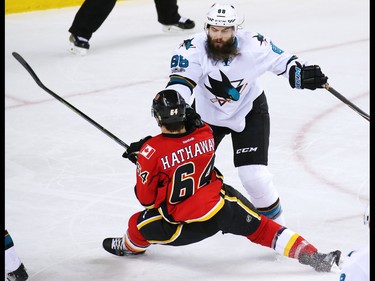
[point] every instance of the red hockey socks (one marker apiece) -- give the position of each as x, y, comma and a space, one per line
281, 239
133, 239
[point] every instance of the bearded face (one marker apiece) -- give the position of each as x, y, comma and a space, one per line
221, 43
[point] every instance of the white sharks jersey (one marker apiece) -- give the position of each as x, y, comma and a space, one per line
356, 267
224, 91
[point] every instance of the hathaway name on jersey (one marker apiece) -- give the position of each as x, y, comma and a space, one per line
181, 155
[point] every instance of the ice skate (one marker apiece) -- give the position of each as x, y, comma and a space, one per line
19, 274
116, 247
183, 25
321, 262
78, 45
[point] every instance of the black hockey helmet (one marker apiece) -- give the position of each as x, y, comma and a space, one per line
168, 107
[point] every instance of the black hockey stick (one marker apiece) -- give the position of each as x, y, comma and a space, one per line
347, 102
22, 61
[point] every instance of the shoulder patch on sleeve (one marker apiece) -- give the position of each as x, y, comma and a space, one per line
261, 39
187, 44
148, 151
276, 49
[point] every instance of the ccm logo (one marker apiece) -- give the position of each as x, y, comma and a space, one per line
246, 150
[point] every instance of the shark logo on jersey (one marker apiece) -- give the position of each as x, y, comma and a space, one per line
261, 39
224, 90
187, 44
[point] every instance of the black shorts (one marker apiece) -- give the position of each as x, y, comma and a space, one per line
238, 216
251, 145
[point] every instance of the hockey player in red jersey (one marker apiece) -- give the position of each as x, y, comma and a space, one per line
185, 198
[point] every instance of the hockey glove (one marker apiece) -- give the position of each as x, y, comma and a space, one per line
193, 119
309, 77
132, 152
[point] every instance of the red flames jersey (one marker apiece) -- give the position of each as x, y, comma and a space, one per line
175, 174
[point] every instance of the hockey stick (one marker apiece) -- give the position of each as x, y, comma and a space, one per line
347, 102
22, 61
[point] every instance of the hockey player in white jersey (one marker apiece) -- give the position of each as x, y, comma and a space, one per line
356, 266
220, 68
14, 268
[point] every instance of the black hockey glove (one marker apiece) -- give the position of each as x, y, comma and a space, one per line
309, 77
193, 119
132, 152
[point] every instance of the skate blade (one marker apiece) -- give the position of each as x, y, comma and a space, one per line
172, 29
77, 51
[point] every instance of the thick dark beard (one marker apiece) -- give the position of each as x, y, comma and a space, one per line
228, 50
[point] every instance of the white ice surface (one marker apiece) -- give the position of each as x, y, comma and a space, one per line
67, 186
